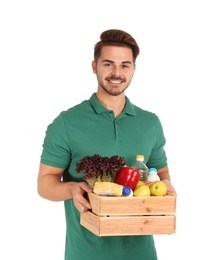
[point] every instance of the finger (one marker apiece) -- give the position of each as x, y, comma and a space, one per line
83, 208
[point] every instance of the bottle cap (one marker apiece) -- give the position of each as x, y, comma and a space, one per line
139, 156
126, 191
152, 170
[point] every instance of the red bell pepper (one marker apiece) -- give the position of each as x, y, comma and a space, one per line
128, 176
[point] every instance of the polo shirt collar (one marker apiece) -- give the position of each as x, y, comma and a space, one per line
129, 107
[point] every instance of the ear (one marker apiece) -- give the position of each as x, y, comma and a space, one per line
94, 66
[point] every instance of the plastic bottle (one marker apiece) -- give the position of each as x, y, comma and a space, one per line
153, 175
127, 191
140, 165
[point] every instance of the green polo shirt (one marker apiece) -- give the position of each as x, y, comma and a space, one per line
87, 129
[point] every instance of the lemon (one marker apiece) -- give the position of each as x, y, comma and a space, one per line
158, 188
142, 191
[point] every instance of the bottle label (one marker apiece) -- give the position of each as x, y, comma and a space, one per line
143, 175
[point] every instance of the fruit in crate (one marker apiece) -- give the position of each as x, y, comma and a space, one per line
128, 176
158, 188
142, 191
140, 183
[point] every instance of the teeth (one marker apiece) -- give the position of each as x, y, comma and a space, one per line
115, 81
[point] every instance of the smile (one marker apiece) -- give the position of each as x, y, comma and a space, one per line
115, 81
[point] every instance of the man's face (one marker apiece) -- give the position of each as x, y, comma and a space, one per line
114, 69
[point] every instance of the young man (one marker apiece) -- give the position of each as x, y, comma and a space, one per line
107, 124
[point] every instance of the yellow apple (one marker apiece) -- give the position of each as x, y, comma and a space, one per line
140, 183
158, 188
142, 191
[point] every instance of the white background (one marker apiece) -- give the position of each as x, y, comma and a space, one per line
46, 49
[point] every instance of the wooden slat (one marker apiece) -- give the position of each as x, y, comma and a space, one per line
152, 205
128, 225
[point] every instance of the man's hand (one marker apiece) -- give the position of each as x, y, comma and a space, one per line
170, 188
80, 202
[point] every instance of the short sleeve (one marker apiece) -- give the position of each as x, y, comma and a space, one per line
56, 150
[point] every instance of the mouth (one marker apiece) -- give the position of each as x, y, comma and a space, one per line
116, 81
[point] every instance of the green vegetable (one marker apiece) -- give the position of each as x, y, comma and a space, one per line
98, 168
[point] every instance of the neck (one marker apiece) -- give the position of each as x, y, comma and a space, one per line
114, 103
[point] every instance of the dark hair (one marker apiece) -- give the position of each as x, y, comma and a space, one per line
116, 37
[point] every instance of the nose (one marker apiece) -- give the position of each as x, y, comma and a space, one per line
115, 71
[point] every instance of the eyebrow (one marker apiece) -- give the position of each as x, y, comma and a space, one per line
124, 62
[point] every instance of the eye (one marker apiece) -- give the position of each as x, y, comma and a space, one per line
107, 64
125, 66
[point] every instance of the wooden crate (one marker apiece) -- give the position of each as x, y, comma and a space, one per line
118, 216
